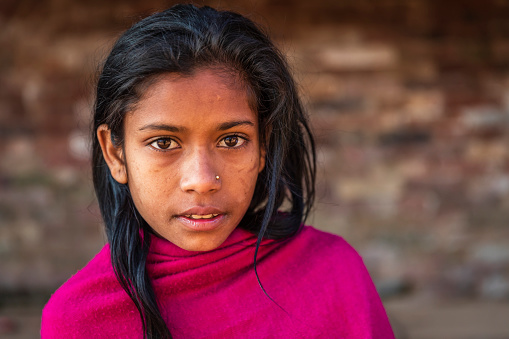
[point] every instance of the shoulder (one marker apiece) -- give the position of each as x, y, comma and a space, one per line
327, 247
320, 254
85, 301
347, 295
320, 236
331, 262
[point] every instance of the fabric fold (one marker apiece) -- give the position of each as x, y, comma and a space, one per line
317, 283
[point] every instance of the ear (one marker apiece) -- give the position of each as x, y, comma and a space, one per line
263, 148
263, 153
113, 155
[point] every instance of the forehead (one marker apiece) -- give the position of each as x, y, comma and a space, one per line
204, 95
218, 78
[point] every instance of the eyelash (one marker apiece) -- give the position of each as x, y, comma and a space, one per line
241, 139
165, 139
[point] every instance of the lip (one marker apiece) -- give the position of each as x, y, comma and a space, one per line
202, 224
202, 210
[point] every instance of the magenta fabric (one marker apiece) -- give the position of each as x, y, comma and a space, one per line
319, 281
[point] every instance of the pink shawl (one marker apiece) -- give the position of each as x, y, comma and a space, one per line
317, 278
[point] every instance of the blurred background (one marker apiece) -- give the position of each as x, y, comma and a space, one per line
409, 101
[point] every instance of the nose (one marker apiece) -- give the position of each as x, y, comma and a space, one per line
198, 173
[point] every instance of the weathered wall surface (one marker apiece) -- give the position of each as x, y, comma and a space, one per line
409, 101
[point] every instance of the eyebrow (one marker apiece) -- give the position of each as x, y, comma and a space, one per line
163, 127
230, 124
175, 129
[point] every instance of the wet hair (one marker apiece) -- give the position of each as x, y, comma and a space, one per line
182, 40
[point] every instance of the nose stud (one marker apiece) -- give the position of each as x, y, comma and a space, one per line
217, 177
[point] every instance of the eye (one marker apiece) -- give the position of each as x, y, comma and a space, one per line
232, 141
164, 144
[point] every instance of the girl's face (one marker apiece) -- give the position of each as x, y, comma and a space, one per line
191, 157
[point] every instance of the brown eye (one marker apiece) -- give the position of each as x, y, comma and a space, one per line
163, 143
232, 141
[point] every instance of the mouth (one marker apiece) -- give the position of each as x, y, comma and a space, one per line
201, 216
202, 219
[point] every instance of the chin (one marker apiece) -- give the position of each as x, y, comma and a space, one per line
201, 245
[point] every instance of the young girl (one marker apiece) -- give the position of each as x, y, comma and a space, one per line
199, 141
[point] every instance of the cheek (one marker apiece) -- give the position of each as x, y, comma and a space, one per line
247, 176
147, 184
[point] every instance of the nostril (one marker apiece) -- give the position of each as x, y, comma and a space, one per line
199, 172
200, 182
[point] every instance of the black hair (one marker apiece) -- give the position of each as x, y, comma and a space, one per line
182, 40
